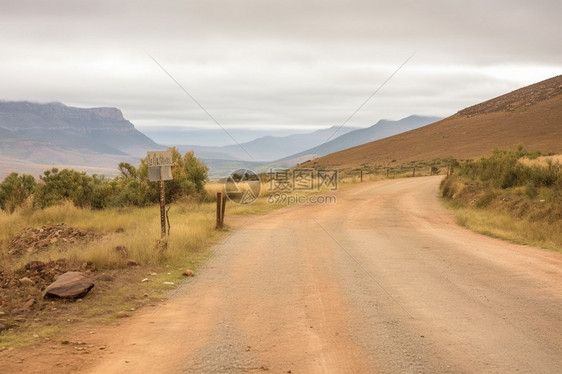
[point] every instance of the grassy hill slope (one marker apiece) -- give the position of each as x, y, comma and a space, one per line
531, 116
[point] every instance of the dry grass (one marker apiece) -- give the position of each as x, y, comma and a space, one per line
504, 226
211, 189
189, 245
542, 160
509, 196
137, 229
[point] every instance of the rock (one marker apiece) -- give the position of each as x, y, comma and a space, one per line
132, 262
122, 314
34, 265
25, 281
70, 285
188, 273
32, 240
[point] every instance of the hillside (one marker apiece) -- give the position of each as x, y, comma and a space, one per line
531, 116
37, 136
380, 130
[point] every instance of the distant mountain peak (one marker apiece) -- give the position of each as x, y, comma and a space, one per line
109, 113
57, 114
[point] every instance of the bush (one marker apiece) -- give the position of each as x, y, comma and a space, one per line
504, 170
15, 189
505, 182
130, 188
66, 184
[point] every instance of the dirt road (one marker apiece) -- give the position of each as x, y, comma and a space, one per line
383, 281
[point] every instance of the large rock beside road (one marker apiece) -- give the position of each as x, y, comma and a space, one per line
70, 285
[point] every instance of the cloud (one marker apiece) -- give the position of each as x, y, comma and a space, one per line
278, 64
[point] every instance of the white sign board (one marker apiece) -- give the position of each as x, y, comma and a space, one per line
159, 158
160, 173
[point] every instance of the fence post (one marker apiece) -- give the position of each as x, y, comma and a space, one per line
361, 171
223, 207
219, 210
414, 172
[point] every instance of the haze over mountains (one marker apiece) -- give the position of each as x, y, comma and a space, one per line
283, 152
266, 148
531, 116
382, 129
35, 137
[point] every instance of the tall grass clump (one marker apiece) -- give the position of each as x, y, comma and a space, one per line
505, 195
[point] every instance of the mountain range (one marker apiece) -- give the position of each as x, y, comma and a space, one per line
266, 148
283, 152
382, 129
34, 137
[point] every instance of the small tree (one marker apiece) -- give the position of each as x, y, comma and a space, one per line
15, 189
189, 177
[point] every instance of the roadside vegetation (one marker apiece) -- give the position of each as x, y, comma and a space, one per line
109, 228
511, 194
131, 188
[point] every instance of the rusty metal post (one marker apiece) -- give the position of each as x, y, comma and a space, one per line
162, 208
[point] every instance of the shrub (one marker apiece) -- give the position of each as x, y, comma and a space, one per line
67, 184
130, 188
15, 189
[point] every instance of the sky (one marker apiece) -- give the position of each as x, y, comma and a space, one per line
277, 67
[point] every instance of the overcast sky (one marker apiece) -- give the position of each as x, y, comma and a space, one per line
279, 65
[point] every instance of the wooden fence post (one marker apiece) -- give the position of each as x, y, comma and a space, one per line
223, 208
219, 210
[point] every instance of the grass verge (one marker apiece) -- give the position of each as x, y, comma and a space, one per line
121, 235
509, 197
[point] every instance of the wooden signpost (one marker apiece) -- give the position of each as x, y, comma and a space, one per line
160, 170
